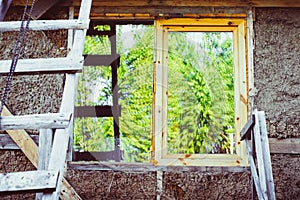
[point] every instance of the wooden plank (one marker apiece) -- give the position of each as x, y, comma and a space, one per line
284, 146
250, 48
157, 116
101, 60
226, 22
8, 144
246, 130
59, 65
41, 7
253, 171
259, 156
45, 25
159, 184
61, 137
132, 12
179, 3
29, 181
266, 156
23, 140
148, 167
45, 146
30, 149
36, 121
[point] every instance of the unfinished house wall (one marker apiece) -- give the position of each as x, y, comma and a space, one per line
277, 81
31, 94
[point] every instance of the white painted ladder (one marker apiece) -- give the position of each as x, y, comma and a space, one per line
256, 130
48, 180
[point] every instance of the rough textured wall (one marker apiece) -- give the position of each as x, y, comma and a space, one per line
96, 185
36, 93
277, 80
286, 174
277, 69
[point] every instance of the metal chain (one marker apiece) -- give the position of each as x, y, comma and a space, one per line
16, 52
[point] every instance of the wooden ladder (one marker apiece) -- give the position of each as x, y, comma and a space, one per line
56, 128
256, 130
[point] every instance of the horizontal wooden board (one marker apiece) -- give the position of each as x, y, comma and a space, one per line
44, 25
285, 146
36, 121
59, 65
141, 3
6, 142
29, 181
148, 167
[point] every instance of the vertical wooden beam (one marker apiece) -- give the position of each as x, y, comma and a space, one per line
259, 154
241, 94
164, 66
44, 151
250, 38
159, 179
253, 170
70, 44
266, 156
157, 94
61, 137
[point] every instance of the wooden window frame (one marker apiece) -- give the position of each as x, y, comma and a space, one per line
237, 26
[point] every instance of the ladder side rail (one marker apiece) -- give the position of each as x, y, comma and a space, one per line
61, 137
266, 156
259, 155
253, 171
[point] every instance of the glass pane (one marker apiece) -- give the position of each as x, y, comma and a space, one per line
200, 93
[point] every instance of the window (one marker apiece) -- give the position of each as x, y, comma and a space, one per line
164, 150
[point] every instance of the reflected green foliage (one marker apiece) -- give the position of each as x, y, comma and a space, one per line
200, 100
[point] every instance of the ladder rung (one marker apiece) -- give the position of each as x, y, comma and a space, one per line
29, 181
36, 121
43, 65
45, 25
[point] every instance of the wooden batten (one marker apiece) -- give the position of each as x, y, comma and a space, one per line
266, 156
7, 143
178, 3
29, 181
259, 155
58, 65
44, 25
37, 121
